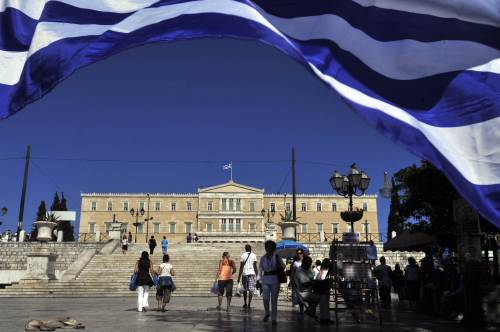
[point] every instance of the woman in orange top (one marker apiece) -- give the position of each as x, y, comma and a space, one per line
224, 279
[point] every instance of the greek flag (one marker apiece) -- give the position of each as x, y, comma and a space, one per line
227, 166
426, 74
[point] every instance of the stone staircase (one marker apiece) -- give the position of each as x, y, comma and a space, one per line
195, 266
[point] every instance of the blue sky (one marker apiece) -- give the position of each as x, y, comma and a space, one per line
200, 103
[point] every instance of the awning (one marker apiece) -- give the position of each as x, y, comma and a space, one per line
409, 241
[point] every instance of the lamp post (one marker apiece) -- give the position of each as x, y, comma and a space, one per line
136, 214
354, 183
270, 214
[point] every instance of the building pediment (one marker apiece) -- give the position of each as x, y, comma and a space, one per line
231, 187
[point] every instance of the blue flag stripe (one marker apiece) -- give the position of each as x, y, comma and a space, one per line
16, 30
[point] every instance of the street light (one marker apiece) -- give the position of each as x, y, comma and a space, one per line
270, 214
136, 214
354, 183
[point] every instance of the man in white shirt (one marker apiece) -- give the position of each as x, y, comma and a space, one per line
248, 269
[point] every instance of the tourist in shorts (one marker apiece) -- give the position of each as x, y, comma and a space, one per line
124, 244
248, 269
224, 279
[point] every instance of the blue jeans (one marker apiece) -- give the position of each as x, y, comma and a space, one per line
164, 250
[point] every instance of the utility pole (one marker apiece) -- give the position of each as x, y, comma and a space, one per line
23, 192
294, 193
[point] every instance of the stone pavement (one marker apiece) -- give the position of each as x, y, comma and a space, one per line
194, 314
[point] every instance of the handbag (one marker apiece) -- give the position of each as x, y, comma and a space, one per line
155, 280
215, 288
280, 271
133, 282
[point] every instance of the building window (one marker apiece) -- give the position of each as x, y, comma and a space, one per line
334, 207
252, 206
189, 206
288, 207
365, 207
303, 228
124, 226
141, 206
140, 229
107, 226
303, 207
348, 228
238, 204
171, 227
125, 206
230, 223
335, 228
231, 204
188, 227
319, 228
157, 206
318, 207
223, 225
156, 228
223, 204
252, 227
173, 206
272, 207
210, 206
93, 206
91, 227
238, 225
208, 227
110, 206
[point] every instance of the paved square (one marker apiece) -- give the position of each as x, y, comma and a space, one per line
193, 314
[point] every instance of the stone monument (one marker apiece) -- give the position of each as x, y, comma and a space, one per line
41, 265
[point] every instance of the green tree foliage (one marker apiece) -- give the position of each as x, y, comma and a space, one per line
63, 204
425, 201
395, 222
56, 203
40, 215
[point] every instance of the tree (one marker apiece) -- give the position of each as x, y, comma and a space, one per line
425, 201
63, 206
65, 225
56, 203
395, 222
40, 215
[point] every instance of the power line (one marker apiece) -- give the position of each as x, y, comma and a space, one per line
284, 180
152, 161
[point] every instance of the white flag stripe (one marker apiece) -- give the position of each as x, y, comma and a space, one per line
393, 59
474, 11
478, 159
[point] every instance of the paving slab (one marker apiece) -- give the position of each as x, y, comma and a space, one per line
197, 314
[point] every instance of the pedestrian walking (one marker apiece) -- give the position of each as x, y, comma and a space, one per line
129, 237
189, 238
412, 280
165, 283
249, 271
268, 279
397, 280
383, 274
124, 244
152, 245
144, 269
224, 279
164, 245
196, 238
297, 262
317, 268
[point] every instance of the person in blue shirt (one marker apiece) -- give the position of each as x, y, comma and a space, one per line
164, 245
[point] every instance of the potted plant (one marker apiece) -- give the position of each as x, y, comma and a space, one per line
45, 227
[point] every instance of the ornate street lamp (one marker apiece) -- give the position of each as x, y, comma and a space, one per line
136, 214
269, 214
355, 183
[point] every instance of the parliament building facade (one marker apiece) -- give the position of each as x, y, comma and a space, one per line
230, 211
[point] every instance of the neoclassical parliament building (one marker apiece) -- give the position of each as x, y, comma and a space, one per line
229, 211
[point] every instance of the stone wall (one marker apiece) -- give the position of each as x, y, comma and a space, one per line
13, 259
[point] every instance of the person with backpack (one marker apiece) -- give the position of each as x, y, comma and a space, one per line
249, 271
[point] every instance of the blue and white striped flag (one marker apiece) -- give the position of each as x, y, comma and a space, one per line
426, 74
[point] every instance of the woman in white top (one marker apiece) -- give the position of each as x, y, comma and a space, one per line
165, 283
124, 244
268, 277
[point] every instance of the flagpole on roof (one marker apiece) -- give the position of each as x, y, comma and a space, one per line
231, 167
